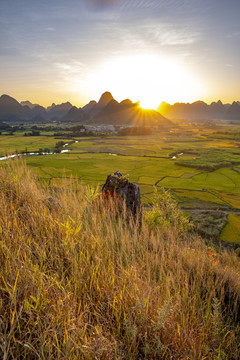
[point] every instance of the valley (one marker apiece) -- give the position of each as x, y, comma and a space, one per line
199, 165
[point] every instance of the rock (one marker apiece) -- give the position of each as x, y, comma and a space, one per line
127, 192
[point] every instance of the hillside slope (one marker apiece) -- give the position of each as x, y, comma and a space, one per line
78, 282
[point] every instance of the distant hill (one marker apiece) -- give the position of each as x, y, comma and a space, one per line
107, 110
100, 105
50, 107
58, 111
88, 108
39, 110
38, 119
14, 112
75, 115
28, 103
11, 110
199, 110
233, 112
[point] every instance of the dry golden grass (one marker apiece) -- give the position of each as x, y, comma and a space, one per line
78, 282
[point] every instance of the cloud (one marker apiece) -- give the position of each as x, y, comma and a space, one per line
143, 4
155, 35
50, 28
99, 4
169, 35
70, 74
73, 67
233, 35
168, 5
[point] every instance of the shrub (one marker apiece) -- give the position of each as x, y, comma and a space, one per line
166, 214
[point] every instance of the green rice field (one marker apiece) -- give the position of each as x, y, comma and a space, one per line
200, 170
231, 232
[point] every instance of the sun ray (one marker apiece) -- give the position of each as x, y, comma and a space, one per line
148, 78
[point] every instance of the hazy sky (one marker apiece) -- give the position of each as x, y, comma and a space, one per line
147, 50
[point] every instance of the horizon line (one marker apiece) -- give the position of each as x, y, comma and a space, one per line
134, 102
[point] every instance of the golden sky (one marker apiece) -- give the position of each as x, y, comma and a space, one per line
147, 50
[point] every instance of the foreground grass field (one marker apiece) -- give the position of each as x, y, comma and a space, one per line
78, 282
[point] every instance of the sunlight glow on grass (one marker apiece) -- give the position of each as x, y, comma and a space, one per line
79, 281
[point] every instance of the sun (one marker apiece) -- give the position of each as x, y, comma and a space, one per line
148, 78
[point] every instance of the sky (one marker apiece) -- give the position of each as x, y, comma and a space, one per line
146, 50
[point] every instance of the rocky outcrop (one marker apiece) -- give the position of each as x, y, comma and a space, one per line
127, 192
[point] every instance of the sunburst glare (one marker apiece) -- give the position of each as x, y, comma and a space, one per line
148, 78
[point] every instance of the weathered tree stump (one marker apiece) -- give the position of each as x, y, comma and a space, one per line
127, 193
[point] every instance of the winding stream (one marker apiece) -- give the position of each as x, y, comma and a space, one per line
7, 157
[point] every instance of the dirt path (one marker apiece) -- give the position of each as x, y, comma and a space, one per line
210, 210
120, 154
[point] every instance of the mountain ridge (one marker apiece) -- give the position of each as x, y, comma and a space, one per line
107, 110
200, 110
